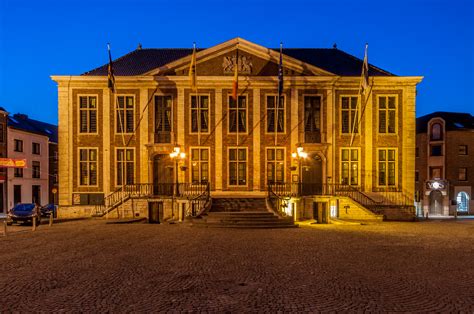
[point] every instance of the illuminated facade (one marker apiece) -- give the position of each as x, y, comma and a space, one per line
444, 164
237, 147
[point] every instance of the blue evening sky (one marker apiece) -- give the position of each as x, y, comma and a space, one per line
430, 38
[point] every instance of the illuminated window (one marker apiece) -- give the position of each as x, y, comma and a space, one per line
200, 165
462, 149
387, 167
125, 163
199, 113
387, 106
275, 114
275, 165
436, 133
350, 166
462, 174
349, 119
237, 166
238, 114
88, 114
124, 119
435, 172
462, 201
87, 166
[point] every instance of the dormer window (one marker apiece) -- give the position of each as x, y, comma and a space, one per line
436, 132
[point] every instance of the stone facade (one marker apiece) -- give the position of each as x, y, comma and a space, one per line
260, 82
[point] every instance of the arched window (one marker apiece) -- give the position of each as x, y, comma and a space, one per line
463, 202
436, 133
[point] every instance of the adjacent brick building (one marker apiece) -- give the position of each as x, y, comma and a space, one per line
445, 163
3, 153
116, 142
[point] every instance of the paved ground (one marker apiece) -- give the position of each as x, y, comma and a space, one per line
89, 266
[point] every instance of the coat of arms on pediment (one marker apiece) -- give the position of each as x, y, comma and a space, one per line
244, 64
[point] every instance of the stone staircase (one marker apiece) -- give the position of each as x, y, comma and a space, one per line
241, 213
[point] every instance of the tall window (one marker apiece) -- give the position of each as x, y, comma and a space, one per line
386, 167
275, 165
125, 166
18, 145
238, 114
124, 118
349, 118
462, 200
88, 114
2, 131
35, 148
36, 171
88, 166
436, 132
237, 166
387, 113
312, 119
350, 166
163, 114
199, 113
18, 172
275, 114
199, 165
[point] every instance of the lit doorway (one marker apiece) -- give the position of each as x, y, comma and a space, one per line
436, 203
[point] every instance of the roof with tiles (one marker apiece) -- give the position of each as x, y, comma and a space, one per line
453, 121
23, 122
141, 61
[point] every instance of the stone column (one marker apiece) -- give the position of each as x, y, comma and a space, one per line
218, 158
256, 139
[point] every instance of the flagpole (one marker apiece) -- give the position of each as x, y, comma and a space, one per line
280, 87
236, 99
363, 84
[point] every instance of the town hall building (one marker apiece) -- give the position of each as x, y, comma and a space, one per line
155, 144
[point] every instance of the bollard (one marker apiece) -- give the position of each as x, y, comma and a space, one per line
4, 228
51, 219
34, 223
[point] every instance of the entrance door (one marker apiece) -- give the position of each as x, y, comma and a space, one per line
163, 175
155, 212
312, 177
36, 194
436, 203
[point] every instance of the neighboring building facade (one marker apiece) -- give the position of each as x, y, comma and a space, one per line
445, 163
239, 147
3, 153
31, 140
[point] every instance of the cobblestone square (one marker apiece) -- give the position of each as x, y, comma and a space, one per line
91, 266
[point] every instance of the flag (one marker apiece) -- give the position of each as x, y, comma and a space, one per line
110, 72
192, 70
280, 73
364, 84
235, 85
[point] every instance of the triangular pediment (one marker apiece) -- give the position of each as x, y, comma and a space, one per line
253, 60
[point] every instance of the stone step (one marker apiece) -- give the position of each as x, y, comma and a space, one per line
244, 225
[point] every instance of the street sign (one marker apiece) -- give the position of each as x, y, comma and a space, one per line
12, 163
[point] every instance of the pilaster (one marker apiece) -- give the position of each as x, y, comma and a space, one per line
218, 157
256, 139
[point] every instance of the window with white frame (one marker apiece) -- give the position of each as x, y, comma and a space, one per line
275, 165
88, 166
200, 165
237, 166
199, 113
88, 114
275, 114
350, 166
238, 115
125, 163
124, 118
349, 118
387, 167
387, 108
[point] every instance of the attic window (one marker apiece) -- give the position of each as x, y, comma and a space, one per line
458, 125
436, 133
14, 120
48, 131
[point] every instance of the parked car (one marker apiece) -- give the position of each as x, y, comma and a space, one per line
24, 212
49, 209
